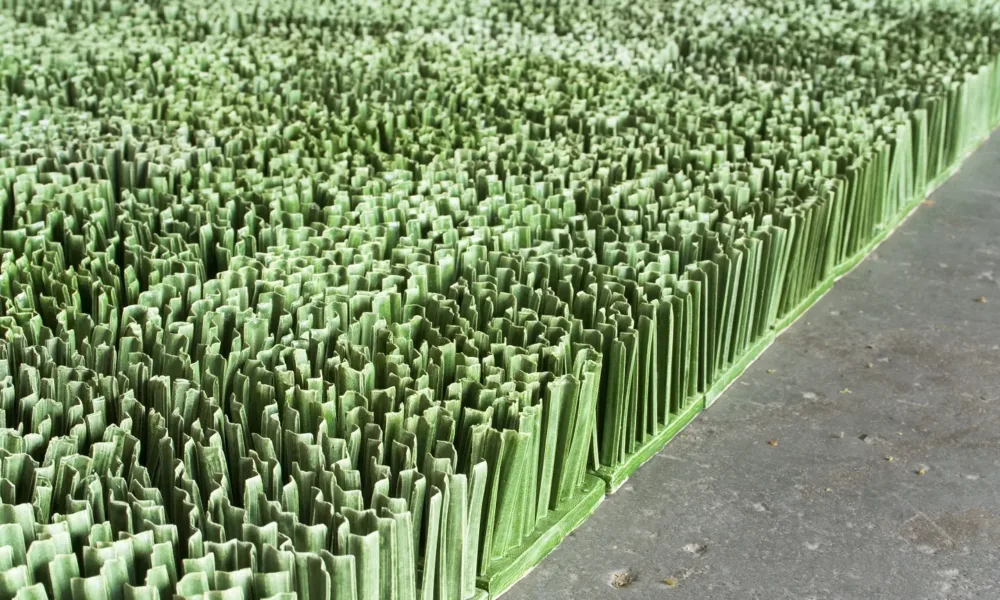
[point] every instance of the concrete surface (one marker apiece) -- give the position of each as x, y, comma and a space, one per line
900, 353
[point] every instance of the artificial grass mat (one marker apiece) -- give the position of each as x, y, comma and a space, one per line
376, 300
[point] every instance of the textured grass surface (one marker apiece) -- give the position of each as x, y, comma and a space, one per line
354, 299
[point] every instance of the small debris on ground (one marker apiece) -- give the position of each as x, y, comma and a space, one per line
772, 371
922, 471
846, 391
868, 439
890, 458
928, 203
839, 435
869, 365
696, 549
622, 579
670, 582
773, 442
981, 300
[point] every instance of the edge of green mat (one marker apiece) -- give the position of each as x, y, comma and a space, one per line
614, 477
549, 533
553, 529
814, 296
841, 270
733, 373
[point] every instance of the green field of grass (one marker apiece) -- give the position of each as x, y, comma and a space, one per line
376, 300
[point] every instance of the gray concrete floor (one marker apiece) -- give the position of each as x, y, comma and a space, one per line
899, 353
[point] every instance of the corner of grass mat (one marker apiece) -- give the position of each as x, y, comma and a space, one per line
548, 535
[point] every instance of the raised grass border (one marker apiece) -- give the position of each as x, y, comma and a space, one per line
549, 533
607, 480
615, 477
